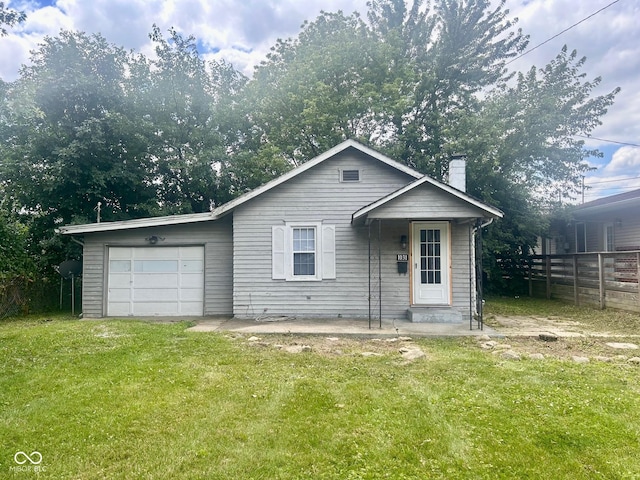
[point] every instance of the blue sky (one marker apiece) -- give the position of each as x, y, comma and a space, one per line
243, 31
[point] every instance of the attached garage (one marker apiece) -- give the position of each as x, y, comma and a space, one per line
155, 281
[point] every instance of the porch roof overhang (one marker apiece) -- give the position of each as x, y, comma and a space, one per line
481, 209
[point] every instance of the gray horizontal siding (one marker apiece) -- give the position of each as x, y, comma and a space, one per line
92, 278
318, 196
314, 196
426, 198
216, 237
627, 232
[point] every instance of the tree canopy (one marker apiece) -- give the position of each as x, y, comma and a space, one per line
9, 18
89, 122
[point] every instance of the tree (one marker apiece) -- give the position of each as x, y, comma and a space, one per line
454, 52
68, 142
425, 80
90, 124
524, 154
185, 105
10, 18
318, 89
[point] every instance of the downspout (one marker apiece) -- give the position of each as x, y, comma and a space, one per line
369, 258
471, 289
380, 270
79, 242
487, 223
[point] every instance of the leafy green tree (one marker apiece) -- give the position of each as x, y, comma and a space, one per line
424, 80
10, 18
17, 268
14, 252
524, 155
447, 56
68, 142
186, 104
318, 89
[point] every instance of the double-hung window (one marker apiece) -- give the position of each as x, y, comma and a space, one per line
303, 251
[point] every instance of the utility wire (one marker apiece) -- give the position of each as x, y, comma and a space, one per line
609, 141
558, 34
615, 180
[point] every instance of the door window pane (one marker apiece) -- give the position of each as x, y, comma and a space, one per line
430, 261
608, 238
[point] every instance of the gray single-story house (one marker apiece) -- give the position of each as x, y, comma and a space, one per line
350, 233
608, 224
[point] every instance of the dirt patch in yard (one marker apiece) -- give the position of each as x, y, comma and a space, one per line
579, 349
518, 338
563, 338
533, 326
334, 345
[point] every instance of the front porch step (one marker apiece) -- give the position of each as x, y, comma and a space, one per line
434, 315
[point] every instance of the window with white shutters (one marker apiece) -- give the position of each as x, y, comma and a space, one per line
303, 251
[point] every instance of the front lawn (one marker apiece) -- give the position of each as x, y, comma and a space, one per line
129, 399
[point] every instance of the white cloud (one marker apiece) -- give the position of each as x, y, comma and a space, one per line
609, 42
625, 161
254, 25
621, 174
608, 39
47, 21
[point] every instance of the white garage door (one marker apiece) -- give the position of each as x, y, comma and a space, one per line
157, 281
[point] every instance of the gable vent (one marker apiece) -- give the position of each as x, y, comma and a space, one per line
350, 176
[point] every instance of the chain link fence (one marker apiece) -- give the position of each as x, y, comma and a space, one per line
22, 296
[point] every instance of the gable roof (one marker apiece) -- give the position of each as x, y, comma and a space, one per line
229, 206
309, 165
491, 211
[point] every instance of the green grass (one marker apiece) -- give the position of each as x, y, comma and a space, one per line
610, 320
128, 399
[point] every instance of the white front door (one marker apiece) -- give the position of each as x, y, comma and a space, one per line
431, 264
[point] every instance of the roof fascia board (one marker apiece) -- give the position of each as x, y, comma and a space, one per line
582, 212
611, 200
137, 223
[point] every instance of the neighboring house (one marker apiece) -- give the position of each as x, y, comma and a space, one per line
592, 255
350, 233
609, 224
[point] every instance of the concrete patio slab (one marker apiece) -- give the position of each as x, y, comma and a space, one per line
340, 326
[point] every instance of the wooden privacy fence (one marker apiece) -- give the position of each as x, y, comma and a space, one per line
605, 279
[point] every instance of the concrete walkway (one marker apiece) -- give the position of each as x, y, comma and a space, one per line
339, 327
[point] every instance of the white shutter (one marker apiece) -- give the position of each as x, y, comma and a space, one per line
278, 252
328, 256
